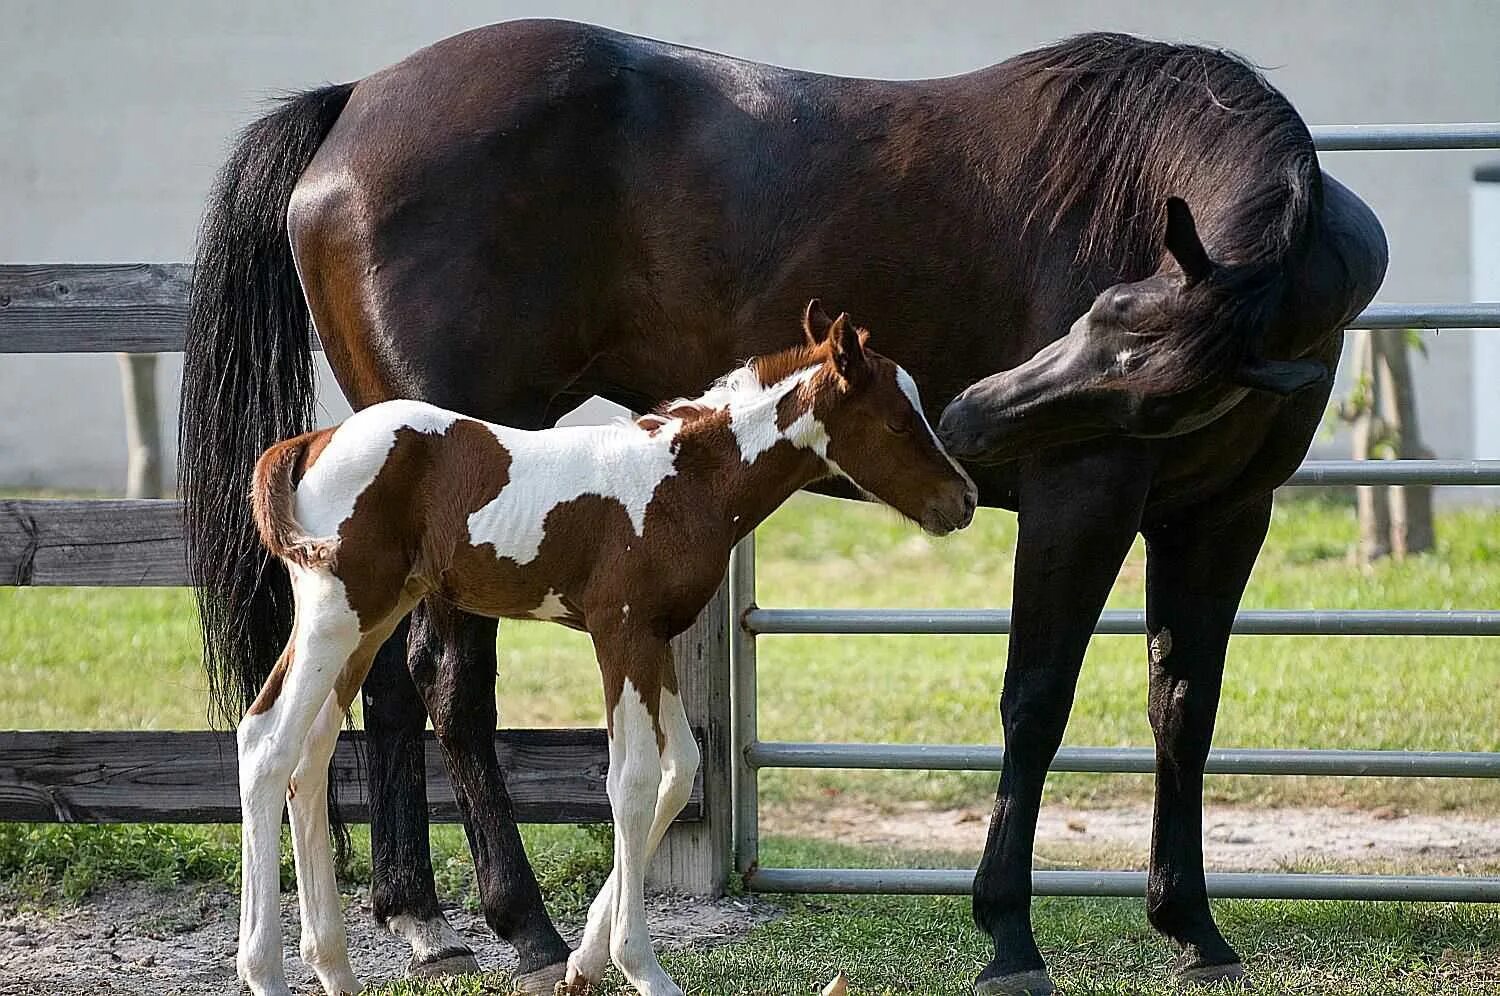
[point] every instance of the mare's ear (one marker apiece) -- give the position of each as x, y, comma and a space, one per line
1280, 377
815, 322
848, 349
1183, 242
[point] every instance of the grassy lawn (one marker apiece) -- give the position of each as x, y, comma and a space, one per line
91, 658
101, 659
883, 944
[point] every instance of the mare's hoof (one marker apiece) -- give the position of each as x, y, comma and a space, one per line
443, 964
1034, 983
1230, 976
541, 981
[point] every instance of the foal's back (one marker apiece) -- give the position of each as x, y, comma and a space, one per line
405, 499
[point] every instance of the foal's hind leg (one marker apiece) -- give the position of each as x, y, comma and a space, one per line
1196, 570
679, 763
324, 946
271, 739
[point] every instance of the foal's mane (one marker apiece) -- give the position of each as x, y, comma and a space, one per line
1128, 122
743, 381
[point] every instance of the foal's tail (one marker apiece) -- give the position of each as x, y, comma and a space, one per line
272, 505
247, 383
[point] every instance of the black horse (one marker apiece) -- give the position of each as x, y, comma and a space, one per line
524, 215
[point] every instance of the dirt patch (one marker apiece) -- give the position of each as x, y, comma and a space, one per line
1236, 838
140, 940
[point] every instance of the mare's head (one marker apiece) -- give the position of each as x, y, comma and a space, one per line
877, 436
1156, 357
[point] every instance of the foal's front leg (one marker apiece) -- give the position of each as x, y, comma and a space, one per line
679, 757
634, 667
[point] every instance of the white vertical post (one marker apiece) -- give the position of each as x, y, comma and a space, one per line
1484, 285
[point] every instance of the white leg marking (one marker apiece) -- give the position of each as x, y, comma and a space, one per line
635, 782
430, 940
679, 759
324, 946
270, 743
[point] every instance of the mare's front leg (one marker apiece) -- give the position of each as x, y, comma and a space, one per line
1197, 566
453, 664
403, 894
635, 666
1079, 513
679, 763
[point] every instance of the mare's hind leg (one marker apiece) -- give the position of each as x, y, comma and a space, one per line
679, 763
271, 738
1078, 517
1196, 570
402, 892
453, 664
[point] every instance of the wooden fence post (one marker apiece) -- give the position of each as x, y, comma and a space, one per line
695, 857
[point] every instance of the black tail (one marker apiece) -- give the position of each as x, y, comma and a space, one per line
247, 383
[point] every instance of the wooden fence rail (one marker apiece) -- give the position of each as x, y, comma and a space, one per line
108, 777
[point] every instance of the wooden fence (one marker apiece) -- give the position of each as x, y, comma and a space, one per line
554, 776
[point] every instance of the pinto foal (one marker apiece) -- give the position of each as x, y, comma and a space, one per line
621, 530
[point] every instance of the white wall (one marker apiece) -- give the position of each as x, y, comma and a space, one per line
114, 116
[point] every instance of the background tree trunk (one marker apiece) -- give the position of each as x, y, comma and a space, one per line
1411, 507
1372, 503
142, 425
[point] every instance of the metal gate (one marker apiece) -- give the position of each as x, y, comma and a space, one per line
752, 621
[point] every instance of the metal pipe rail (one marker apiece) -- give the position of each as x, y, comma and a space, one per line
1344, 472
1123, 622
1478, 315
1127, 760
1406, 137
1221, 885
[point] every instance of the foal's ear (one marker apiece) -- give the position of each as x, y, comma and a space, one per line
1183, 242
848, 349
815, 322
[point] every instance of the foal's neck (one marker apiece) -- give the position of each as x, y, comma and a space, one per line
751, 447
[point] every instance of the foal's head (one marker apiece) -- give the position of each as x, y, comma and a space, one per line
877, 435
1155, 357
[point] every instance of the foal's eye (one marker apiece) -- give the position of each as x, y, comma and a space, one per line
899, 426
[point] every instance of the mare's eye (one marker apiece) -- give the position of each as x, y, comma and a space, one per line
899, 426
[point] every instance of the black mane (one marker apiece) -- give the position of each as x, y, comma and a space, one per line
1129, 122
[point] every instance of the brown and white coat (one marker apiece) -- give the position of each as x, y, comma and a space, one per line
620, 530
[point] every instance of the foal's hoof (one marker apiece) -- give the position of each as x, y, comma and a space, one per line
541, 981
1034, 983
442, 964
1229, 976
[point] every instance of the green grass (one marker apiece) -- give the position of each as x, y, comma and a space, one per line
91, 658
883, 944
100, 659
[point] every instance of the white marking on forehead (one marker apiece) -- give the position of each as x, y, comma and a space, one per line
348, 465
554, 466
909, 388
